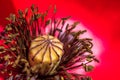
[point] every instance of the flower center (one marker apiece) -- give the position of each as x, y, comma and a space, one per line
46, 51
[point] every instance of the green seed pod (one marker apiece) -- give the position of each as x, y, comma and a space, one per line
45, 51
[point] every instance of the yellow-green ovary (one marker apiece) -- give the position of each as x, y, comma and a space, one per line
47, 52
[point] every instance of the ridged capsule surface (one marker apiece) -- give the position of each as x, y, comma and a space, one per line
46, 51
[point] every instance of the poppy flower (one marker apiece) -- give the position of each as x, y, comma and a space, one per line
39, 47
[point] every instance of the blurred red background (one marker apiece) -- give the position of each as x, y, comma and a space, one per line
102, 17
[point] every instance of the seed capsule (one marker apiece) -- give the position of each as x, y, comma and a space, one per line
45, 51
